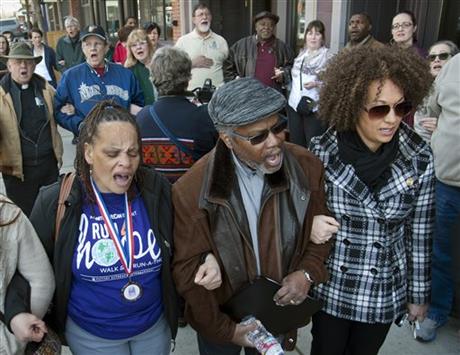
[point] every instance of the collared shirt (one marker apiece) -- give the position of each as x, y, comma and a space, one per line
212, 46
266, 62
251, 183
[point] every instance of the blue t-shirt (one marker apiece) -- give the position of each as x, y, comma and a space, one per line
96, 303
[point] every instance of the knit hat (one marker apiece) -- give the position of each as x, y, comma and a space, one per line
22, 50
244, 101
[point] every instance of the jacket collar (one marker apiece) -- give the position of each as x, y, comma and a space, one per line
343, 175
69, 40
197, 35
37, 81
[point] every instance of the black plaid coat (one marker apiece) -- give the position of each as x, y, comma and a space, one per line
380, 260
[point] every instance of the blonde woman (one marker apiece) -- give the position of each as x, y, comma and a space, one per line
140, 53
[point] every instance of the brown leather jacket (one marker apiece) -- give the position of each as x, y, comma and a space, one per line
210, 217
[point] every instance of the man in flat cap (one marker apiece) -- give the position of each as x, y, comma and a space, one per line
262, 56
30, 144
250, 202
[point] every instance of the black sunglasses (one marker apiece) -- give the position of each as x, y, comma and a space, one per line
402, 109
441, 56
259, 138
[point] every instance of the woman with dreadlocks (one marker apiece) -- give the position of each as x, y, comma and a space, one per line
112, 256
380, 188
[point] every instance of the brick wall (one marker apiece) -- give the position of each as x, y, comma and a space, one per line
176, 18
75, 9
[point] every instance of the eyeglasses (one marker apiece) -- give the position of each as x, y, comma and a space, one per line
441, 56
139, 43
259, 138
402, 109
403, 25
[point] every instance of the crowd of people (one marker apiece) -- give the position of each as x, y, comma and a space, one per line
337, 176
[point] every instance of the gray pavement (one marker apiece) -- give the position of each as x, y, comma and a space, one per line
398, 342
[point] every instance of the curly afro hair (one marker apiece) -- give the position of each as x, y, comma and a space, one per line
347, 78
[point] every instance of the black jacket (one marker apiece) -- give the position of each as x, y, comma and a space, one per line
51, 64
242, 59
190, 124
156, 193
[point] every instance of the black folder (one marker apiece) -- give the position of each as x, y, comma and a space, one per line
256, 299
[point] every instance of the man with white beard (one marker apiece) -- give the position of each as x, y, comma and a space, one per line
206, 49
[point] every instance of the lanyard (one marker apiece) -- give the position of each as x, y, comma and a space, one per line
126, 252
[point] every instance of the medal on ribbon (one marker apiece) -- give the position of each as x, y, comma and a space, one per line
131, 291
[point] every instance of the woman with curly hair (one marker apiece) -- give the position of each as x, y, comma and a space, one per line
380, 186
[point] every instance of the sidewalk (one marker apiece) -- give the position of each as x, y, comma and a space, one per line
399, 341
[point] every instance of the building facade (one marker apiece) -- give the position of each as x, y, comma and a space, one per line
437, 19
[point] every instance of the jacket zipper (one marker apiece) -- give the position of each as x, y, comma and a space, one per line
245, 238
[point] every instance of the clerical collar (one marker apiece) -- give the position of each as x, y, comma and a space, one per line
21, 86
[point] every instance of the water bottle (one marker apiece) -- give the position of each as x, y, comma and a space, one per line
263, 340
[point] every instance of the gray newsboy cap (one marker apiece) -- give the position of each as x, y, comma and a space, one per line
244, 101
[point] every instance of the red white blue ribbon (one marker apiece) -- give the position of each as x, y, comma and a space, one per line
126, 252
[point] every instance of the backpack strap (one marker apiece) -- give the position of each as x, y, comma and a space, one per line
172, 137
64, 191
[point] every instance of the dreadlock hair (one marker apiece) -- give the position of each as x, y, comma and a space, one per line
104, 111
348, 75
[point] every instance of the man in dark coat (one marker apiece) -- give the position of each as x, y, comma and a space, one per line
262, 56
251, 203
